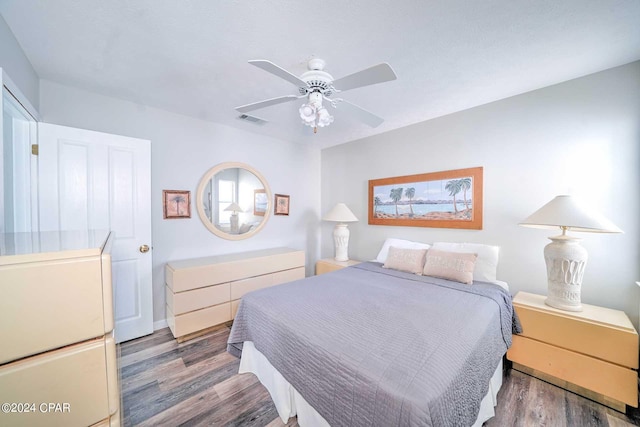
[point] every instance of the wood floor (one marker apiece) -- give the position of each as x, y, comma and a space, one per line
196, 383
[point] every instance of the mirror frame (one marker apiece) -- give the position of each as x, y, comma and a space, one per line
200, 200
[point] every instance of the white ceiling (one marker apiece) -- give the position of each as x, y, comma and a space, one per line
190, 56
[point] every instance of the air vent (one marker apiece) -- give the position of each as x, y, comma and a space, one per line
252, 119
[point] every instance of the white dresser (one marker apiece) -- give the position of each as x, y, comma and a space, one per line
205, 292
58, 363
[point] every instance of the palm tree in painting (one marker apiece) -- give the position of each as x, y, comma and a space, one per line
409, 193
465, 184
376, 202
396, 195
178, 199
453, 187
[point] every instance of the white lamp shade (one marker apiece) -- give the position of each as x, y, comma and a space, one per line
340, 213
233, 207
566, 211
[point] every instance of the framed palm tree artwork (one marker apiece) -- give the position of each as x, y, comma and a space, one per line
447, 199
176, 204
281, 205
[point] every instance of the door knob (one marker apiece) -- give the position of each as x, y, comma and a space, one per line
144, 248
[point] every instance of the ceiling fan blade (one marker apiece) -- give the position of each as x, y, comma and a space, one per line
278, 71
266, 103
359, 113
377, 74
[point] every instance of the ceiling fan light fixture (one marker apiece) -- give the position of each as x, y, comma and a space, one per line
316, 85
308, 114
324, 118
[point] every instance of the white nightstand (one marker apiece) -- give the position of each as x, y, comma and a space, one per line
330, 264
593, 353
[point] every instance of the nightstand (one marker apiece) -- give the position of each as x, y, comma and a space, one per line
330, 264
593, 353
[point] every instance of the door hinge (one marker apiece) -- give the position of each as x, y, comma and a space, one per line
34, 149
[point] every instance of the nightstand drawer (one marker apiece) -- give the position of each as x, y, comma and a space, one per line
610, 380
616, 345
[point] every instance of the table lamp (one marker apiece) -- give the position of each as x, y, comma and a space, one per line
565, 258
341, 215
233, 219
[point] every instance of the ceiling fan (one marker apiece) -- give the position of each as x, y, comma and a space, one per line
316, 85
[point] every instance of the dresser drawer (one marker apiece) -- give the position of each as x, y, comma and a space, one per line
200, 272
48, 305
244, 286
184, 324
184, 302
617, 345
288, 275
75, 375
610, 380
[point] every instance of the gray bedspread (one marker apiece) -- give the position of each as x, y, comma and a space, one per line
368, 346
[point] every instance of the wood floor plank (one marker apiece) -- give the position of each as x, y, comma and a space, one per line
154, 373
204, 367
133, 346
236, 383
293, 422
545, 405
246, 406
196, 383
184, 410
149, 404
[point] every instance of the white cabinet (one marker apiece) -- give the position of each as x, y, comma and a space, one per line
56, 329
205, 292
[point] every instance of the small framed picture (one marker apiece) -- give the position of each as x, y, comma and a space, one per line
281, 204
176, 204
260, 202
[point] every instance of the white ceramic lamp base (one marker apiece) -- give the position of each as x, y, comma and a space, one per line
341, 241
566, 261
234, 222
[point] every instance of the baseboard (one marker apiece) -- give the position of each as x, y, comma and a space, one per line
160, 324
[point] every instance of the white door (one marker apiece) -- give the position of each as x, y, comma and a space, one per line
94, 180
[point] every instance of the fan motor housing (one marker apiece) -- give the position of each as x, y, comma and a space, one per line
317, 80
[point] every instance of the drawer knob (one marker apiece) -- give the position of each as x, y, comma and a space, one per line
144, 249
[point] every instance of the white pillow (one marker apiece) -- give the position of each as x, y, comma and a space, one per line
398, 243
487, 262
409, 260
456, 266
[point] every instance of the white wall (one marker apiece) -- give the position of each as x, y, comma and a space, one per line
582, 136
182, 150
17, 66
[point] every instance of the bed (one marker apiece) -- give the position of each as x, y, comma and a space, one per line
369, 345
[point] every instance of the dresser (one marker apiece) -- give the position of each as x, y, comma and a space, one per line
202, 293
328, 265
58, 362
593, 353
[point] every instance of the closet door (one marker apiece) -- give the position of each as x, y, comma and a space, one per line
94, 180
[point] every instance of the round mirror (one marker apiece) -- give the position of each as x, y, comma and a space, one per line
233, 200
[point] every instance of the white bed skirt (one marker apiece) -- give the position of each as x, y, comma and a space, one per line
290, 403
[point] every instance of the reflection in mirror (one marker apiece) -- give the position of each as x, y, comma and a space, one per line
233, 200
18, 168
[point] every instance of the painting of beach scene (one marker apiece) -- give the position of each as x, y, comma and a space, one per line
448, 199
